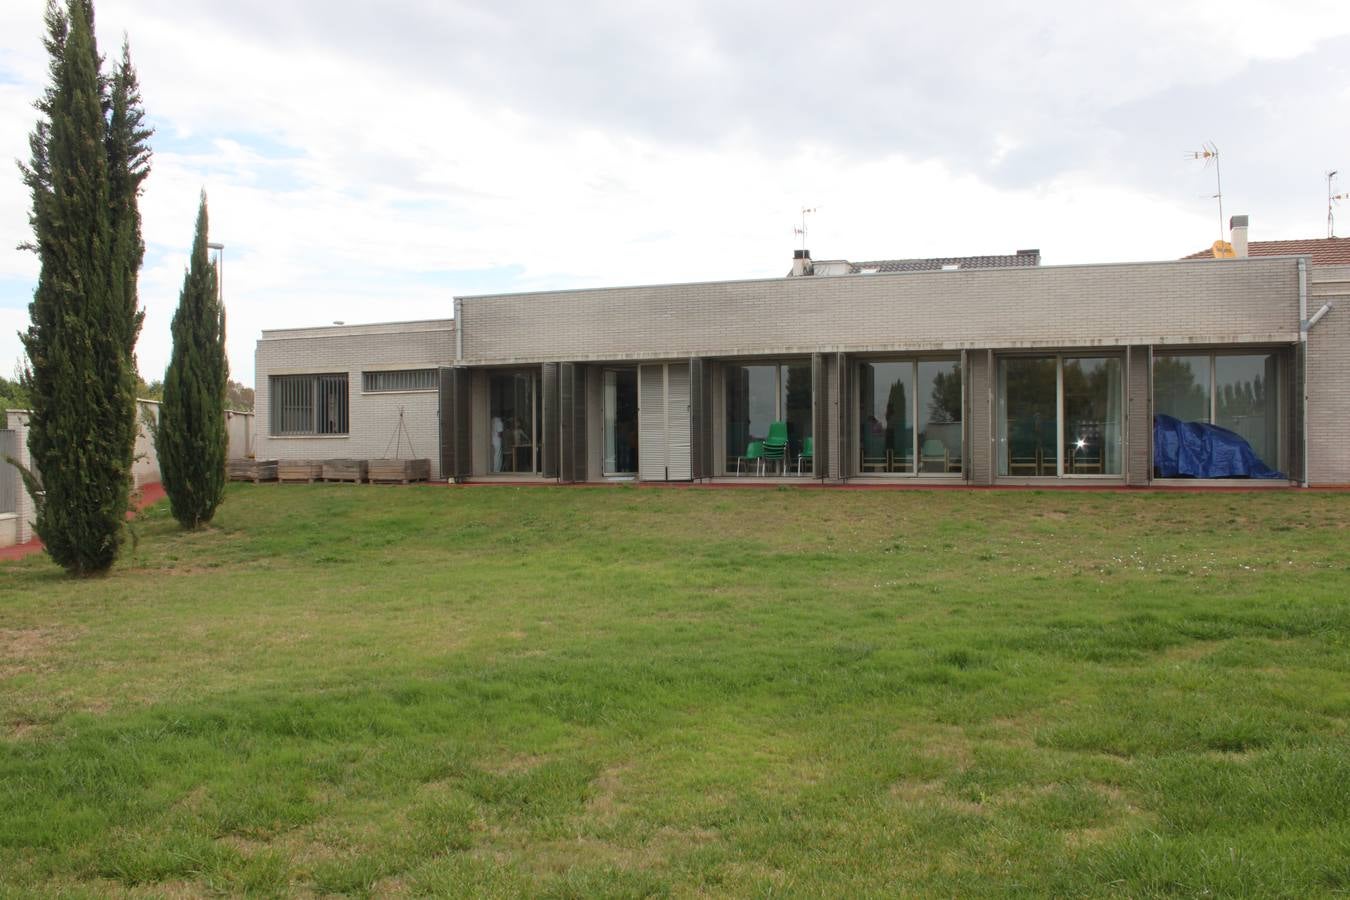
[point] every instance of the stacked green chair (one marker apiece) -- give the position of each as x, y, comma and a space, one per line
776, 444
808, 453
753, 453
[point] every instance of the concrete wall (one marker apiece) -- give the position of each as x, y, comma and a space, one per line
144, 464
1185, 302
373, 419
239, 426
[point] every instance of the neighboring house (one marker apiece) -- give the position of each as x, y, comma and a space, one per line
977, 370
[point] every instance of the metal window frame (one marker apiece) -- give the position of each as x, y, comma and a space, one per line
398, 381
294, 398
855, 454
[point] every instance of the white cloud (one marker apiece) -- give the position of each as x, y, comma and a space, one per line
367, 163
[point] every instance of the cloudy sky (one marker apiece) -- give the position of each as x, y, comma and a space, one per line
368, 161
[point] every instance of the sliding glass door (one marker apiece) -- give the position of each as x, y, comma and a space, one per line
760, 394
909, 417
620, 421
1060, 416
1236, 391
514, 420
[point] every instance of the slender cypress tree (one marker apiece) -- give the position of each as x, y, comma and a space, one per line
84, 319
191, 439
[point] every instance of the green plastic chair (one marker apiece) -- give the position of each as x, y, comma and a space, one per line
776, 444
808, 452
753, 453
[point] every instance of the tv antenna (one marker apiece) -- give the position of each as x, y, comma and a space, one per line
1331, 204
1209, 152
801, 232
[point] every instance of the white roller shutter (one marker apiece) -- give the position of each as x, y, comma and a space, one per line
663, 422
678, 459
652, 423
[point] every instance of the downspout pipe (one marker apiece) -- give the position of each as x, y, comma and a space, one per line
459, 330
1303, 360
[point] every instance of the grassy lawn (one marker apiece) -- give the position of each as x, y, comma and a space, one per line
620, 692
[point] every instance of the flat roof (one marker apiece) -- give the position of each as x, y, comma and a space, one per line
1012, 271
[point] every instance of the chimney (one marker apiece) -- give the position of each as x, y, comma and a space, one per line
1237, 225
801, 263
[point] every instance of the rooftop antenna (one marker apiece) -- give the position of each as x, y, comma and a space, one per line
1331, 205
1209, 152
801, 232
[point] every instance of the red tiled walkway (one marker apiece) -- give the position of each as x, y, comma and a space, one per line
149, 494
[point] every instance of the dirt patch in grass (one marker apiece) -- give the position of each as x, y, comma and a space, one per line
1191, 651
26, 649
604, 805
514, 764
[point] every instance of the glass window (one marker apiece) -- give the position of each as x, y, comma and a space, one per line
620, 421
308, 404
515, 416
886, 439
939, 402
909, 416
1243, 397
401, 380
1244, 401
1092, 416
1181, 387
1028, 416
761, 394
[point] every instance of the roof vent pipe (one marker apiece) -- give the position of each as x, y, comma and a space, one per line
1237, 225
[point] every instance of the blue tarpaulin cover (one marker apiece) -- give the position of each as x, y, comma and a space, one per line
1198, 450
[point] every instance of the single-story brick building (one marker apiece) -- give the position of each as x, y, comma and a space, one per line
976, 370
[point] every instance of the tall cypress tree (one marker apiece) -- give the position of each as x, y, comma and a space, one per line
84, 317
191, 439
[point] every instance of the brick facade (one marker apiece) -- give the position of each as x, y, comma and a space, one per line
1126, 310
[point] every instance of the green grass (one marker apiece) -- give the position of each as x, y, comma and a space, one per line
620, 692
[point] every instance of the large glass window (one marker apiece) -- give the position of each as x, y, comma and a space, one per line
909, 416
761, 394
1232, 390
1060, 416
308, 404
1092, 416
515, 419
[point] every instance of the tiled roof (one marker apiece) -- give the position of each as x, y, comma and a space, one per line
1324, 251
1021, 258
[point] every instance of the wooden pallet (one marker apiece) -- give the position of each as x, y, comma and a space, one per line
353, 470
254, 470
399, 471
306, 470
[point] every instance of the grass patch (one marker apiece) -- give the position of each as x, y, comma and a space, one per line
596, 692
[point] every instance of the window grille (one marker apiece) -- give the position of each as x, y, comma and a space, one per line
309, 404
401, 380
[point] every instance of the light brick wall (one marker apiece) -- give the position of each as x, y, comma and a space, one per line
372, 418
1197, 301
1328, 377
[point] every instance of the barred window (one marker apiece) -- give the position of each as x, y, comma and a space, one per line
401, 380
309, 404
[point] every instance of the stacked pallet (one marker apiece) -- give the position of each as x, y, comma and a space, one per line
401, 471
307, 470
254, 470
344, 470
